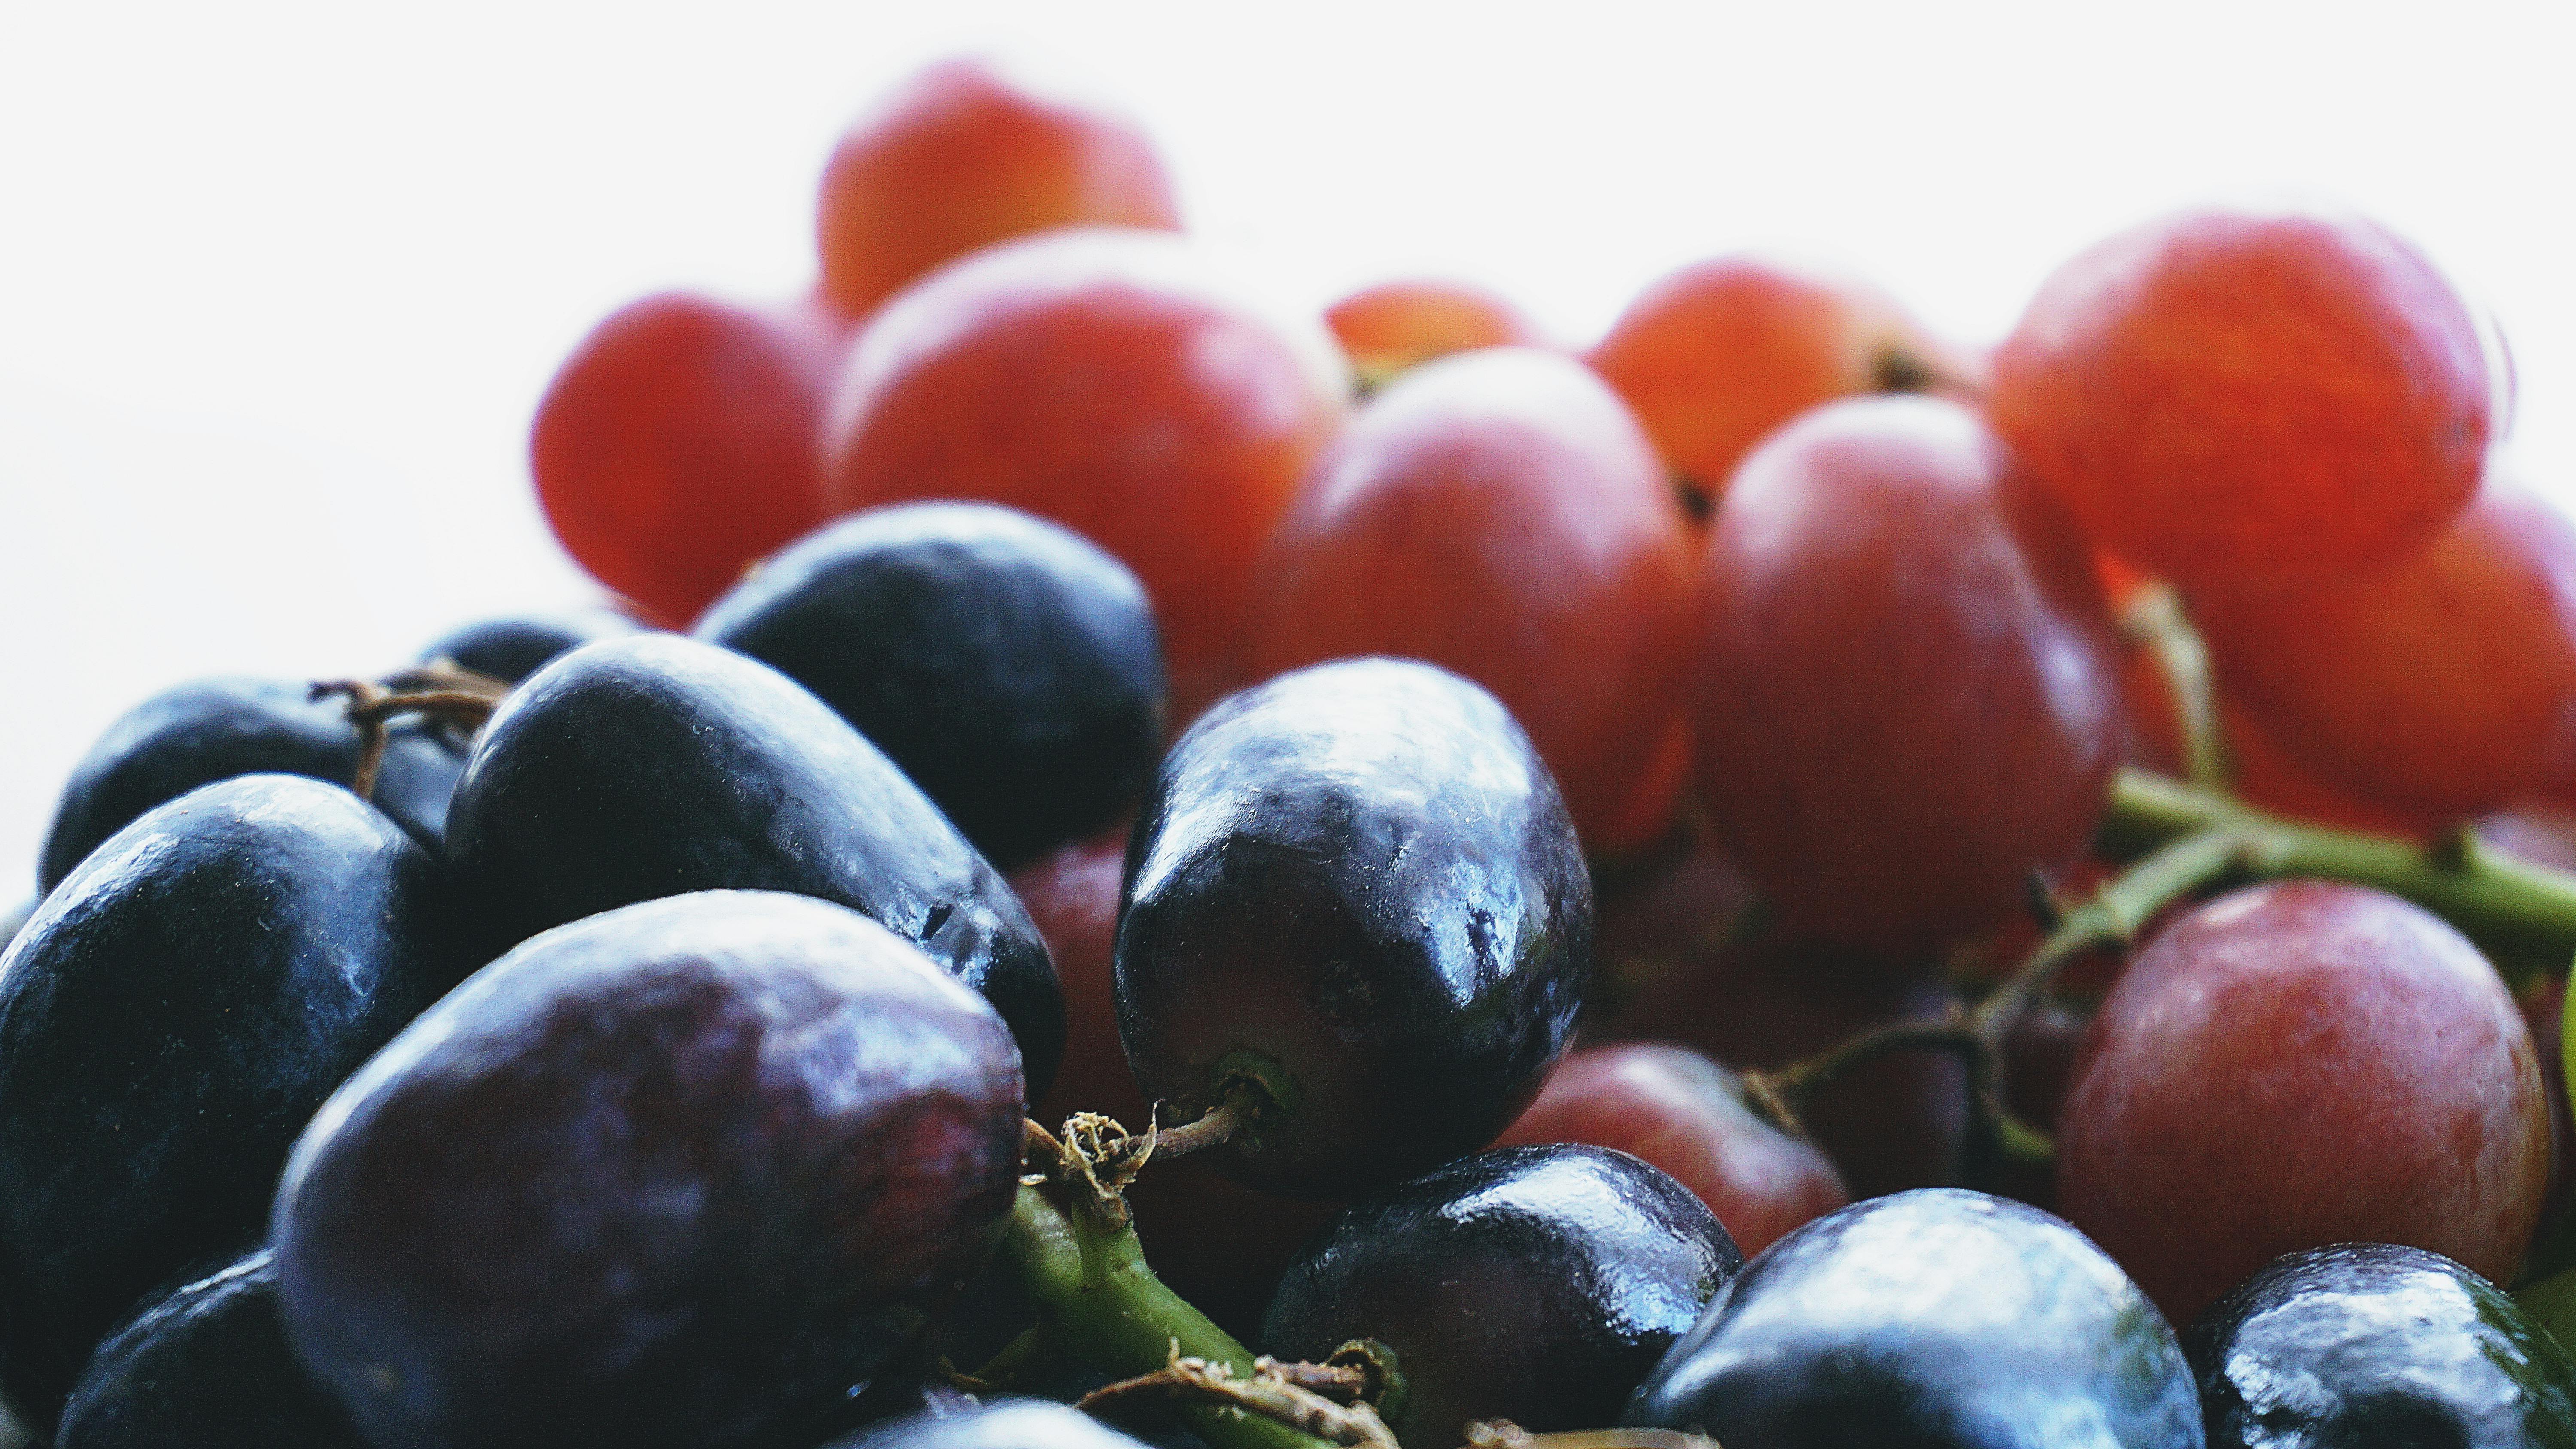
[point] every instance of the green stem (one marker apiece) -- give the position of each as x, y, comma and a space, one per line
1103, 1306
2155, 619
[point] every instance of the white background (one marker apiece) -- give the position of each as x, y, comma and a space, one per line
279, 284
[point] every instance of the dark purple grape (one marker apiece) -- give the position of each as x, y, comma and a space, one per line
206, 1363
1932, 1319
1002, 1424
169, 1019
1357, 882
644, 767
2364, 1345
514, 646
1535, 1284
672, 1176
1006, 663
214, 729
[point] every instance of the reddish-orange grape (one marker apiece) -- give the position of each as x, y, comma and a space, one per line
1688, 1116
1393, 326
1499, 513
966, 154
2239, 398
1106, 379
1907, 696
2444, 683
2298, 1064
1720, 353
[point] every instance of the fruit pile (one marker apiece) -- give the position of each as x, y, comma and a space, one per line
1365, 880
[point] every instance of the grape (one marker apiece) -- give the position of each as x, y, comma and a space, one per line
1395, 326
2367, 1343
514, 646
1011, 669
1933, 1318
1356, 885
2250, 398
1687, 1115
2443, 683
1907, 698
643, 767
1499, 513
170, 1016
679, 1174
2298, 1064
214, 729
1111, 381
1001, 1424
967, 153
1718, 355
676, 444
205, 1363
1533, 1284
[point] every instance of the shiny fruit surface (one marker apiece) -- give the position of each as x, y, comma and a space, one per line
1907, 696
1112, 381
967, 153
677, 444
2443, 683
678, 1174
1534, 1284
1009, 667
999, 1424
1498, 513
511, 647
2369, 1343
1718, 355
169, 1018
1357, 883
644, 767
2299, 1064
2242, 398
1685, 1114
1392, 327
1935, 1318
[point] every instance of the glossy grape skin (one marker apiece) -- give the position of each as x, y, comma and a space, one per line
1907, 697
2443, 683
647, 766
2298, 1064
1534, 1284
2366, 1344
1392, 327
1499, 513
676, 444
1000, 1424
1939, 1319
205, 1363
169, 1018
2242, 398
967, 153
1010, 668
214, 729
1676, 1109
1109, 380
669, 1176
1362, 873
1718, 355
511, 647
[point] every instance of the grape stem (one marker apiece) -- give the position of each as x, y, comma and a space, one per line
453, 696
2154, 620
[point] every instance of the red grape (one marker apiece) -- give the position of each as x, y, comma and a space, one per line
2247, 398
1394, 326
1907, 697
1722, 352
676, 445
1500, 514
966, 154
2444, 683
2298, 1064
1104, 379
1686, 1115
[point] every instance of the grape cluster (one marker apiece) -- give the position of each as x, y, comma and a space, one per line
1325, 881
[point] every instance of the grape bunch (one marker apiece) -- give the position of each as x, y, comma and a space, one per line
1115, 865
